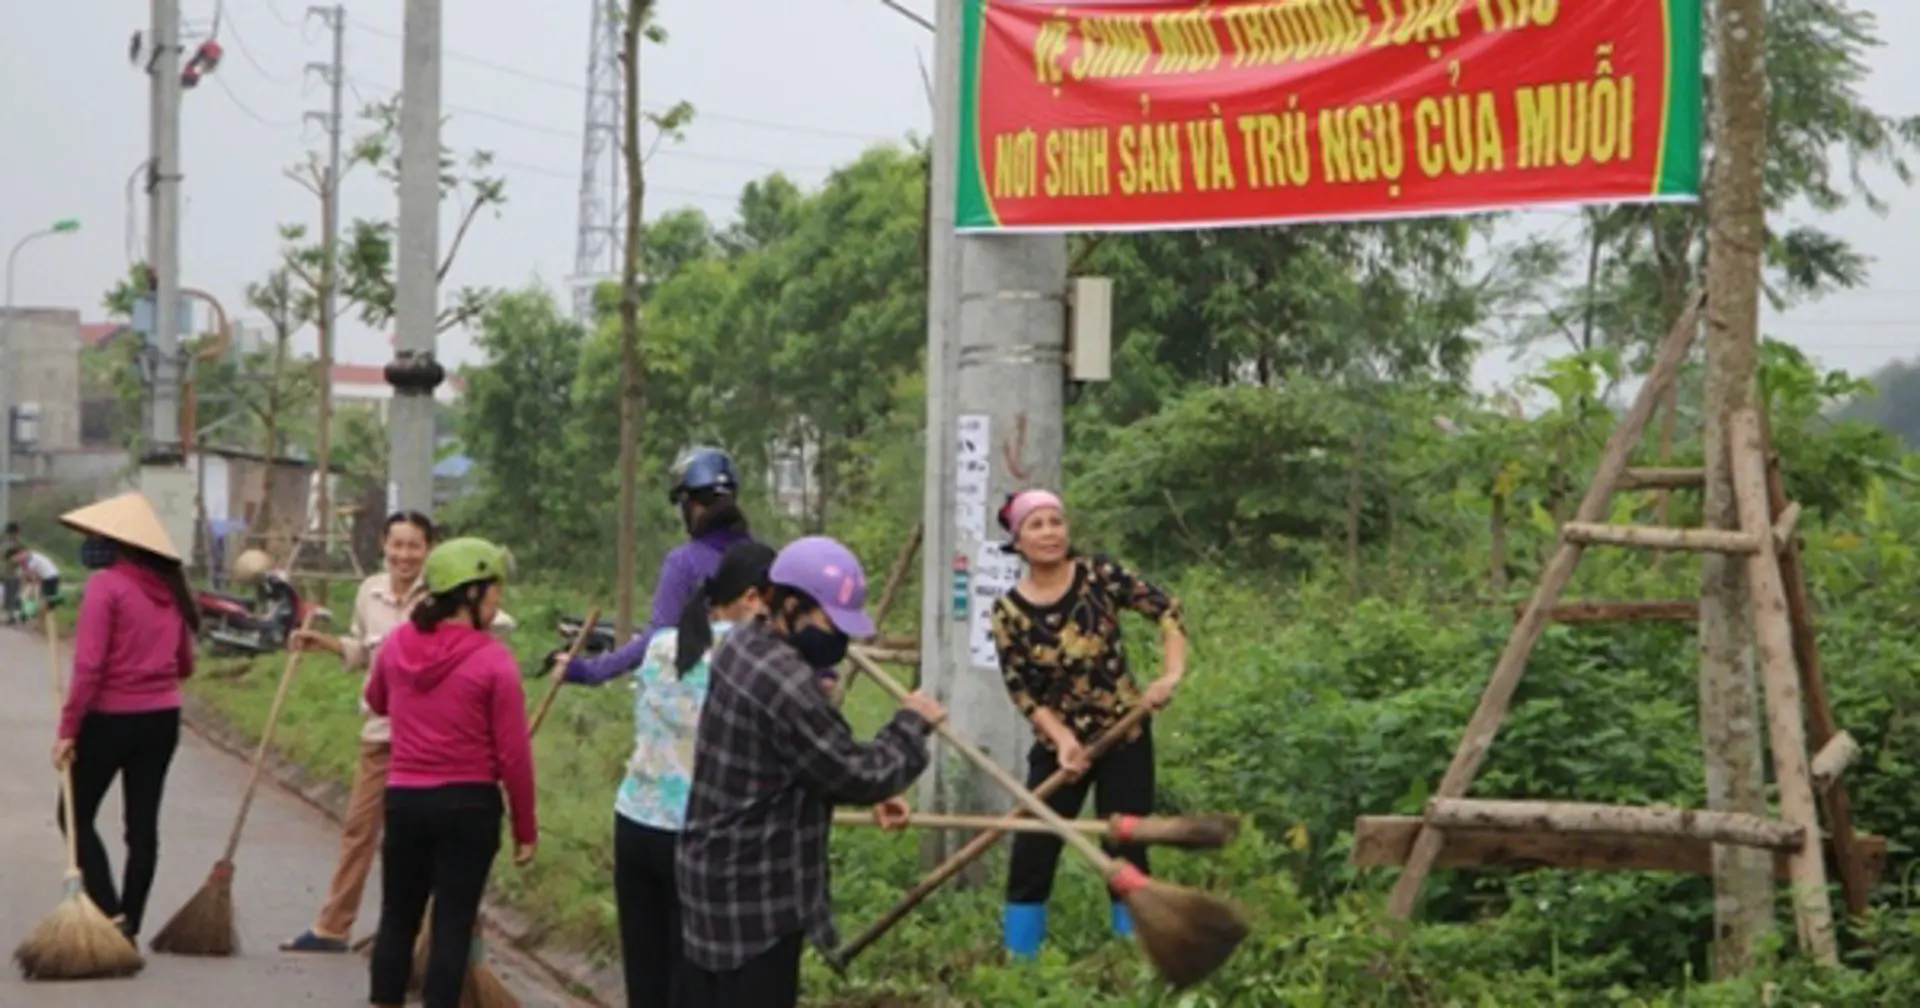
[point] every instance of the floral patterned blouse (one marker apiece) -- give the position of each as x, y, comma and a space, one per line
666, 717
1067, 656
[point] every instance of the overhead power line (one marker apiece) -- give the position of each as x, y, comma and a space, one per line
248, 110
577, 87
563, 133
240, 43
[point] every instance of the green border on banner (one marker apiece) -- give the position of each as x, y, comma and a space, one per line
974, 209
1678, 173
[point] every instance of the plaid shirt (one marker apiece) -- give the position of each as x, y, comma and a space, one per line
772, 758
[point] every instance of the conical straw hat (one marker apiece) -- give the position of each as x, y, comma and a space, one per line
129, 519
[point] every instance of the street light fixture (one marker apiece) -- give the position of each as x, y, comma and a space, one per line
63, 226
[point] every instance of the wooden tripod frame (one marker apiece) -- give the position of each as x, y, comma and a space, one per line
1457, 831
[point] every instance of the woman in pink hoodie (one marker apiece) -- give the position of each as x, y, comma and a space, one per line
458, 719
133, 644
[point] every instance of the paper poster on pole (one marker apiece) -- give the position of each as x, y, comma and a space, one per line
972, 474
995, 573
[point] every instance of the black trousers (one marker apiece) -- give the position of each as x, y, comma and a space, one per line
768, 980
1122, 784
439, 845
649, 905
137, 748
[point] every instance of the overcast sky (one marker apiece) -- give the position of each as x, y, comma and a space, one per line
791, 85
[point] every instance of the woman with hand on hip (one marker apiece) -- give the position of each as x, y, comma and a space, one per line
1058, 636
459, 739
133, 645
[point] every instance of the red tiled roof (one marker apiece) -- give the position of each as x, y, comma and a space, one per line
94, 335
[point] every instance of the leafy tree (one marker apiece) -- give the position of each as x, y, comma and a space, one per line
1893, 402
515, 424
367, 279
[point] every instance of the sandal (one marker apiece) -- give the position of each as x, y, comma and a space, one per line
310, 942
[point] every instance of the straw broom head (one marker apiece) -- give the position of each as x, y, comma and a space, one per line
484, 989
422, 945
1200, 832
1187, 934
76, 942
205, 925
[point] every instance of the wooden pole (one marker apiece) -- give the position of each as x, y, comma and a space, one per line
1647, 537
1621, 820
1813, 913
1553, 581
1677, 611
1833, 759
1821, 726
898, 574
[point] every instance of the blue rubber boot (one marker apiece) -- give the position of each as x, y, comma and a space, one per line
1122, 921
1026, 927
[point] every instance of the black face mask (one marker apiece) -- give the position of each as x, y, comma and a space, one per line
97, 553
821, 649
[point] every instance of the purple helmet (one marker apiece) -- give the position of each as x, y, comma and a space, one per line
831, 574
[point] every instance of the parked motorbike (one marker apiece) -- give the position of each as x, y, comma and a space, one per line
600, 640
232, 625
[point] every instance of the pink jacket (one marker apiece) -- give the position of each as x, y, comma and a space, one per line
131, 650
458, 714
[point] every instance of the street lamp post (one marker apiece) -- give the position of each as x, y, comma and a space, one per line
60, 227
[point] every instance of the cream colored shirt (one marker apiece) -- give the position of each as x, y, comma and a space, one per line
377, 610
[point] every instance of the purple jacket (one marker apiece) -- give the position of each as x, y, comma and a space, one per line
680, 573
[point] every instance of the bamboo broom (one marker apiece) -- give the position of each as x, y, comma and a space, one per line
1204, 832
1186, 934
77, 941
205, 925
979, 845
483, 989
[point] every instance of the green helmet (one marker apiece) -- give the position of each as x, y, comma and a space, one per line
464, 561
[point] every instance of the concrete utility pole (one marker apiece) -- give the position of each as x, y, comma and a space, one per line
414, 374
334, 74
1001, 358
163, 196
938, 582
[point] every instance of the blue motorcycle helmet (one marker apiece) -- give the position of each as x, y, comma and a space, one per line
701, 474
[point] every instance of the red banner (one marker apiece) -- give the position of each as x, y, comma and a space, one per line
1131, 116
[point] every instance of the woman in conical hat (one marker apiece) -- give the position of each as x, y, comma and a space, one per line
133, 645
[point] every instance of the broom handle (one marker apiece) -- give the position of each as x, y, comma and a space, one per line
978, 846
266, 738
1040, 809
936, 821
66, 772
573, 651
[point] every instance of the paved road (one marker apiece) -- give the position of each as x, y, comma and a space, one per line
285, 860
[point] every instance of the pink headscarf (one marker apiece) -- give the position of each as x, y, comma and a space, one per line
1024, 504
